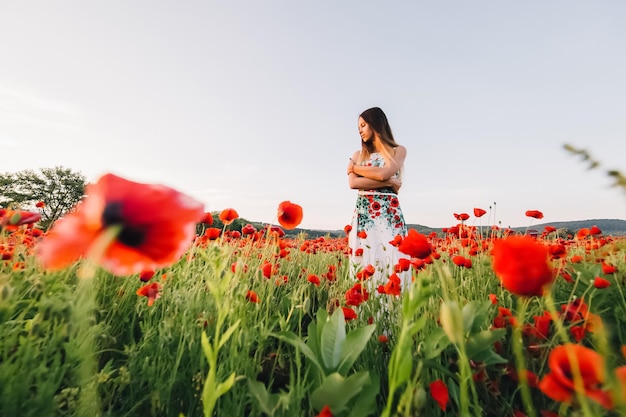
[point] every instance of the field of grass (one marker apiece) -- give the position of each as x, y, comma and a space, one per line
256, 324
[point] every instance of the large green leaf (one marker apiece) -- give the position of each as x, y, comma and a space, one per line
337, 391
366, 401
354, 344
332, 339
479, 346
295, 341
267, 401
435, 343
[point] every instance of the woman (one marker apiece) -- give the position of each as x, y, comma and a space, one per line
376, 171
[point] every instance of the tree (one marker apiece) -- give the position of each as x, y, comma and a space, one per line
58, 188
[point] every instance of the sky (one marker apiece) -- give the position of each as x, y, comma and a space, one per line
246, 104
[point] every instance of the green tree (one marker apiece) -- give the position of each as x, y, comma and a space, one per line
60, 189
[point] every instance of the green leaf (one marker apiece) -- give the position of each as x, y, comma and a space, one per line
295, 341
337, 391
436, 343
206, 347
267, 402
226, 335
223, 387
483, 340
488, 357
366, 401
354, 344
331, 341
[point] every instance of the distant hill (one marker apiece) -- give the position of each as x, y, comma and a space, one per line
609, 227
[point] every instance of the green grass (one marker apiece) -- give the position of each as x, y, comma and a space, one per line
65, 339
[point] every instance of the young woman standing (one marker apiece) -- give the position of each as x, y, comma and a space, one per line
376, 171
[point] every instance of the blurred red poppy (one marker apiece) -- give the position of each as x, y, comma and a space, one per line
348, 313
289, 215
212, 233
207, 218
559, 384
535, 214
152, 291
478, 212
415, 245
313, 279
600, 283
156, 224
325, 412
461, 217
252, 296
18, 217
356, 295
229, 215
522, 265
439, 392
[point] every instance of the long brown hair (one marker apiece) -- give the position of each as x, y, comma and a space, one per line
377, 120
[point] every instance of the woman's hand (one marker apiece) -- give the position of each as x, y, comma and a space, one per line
395, 184
351, 165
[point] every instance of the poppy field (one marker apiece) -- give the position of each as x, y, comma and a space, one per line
134, 304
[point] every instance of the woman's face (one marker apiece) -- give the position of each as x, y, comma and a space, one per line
366, 132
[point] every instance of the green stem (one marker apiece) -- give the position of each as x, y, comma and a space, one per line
518, 344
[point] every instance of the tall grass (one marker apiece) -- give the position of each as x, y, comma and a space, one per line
150, 360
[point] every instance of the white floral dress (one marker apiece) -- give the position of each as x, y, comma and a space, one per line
376, 222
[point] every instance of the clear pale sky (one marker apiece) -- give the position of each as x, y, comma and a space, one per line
245, 104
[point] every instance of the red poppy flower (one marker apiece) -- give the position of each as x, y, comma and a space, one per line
535, 214
383, 339
397, 240
459, 260
248, 229
439, 392
207, 218
212, 233
147, 275
366, 272
595, 230
362, 234
461, 217
415, 245
358, 252
600, 283
252, 296
392, 287
478, 212
522, 265
229, 215
40, 204
18, 217
493, 298
583, 233
608, 269
289, 215
348, 313
152, 291
325, 412
156, 226
549, 229
403, 264
559, 384
576, 259
356, 295
313, 279
347, 229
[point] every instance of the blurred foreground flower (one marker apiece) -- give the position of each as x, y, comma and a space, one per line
522, 264
567, 361
127, 227
289, 215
